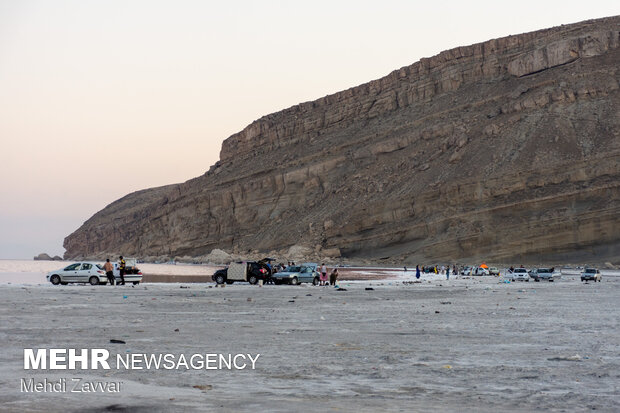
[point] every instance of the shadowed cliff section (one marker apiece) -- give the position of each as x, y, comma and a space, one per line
505, 150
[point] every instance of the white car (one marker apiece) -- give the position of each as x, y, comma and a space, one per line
132, 272
79, 272
518, 274
466, 270
480, 271
591, 274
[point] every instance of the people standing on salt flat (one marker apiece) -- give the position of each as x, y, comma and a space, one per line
121, 270
109, 271
333, 277
323, 274
448, 273
417, 272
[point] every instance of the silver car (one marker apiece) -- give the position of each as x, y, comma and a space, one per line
480, 271
591, 274
79, 272
544, 274
518, 274
296, 274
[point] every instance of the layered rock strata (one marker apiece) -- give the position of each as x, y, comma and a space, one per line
507, 150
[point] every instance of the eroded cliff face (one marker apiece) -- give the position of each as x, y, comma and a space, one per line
507, 150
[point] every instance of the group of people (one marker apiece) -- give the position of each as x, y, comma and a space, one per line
333, 276
109, 270
435, 269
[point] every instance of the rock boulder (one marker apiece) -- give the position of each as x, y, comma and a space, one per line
43, 257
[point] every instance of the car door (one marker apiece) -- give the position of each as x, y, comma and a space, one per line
308, 274
314, 272
70, 273
86, 270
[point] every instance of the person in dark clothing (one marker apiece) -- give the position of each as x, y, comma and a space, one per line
417, 271
333, 277
121, 269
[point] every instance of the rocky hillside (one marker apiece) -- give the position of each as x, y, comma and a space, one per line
507, 150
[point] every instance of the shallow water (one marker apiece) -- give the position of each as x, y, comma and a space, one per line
34, 272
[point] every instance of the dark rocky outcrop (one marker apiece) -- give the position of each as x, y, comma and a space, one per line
507, 150
46, 257
43, 257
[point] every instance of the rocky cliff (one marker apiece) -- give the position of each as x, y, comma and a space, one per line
507, 150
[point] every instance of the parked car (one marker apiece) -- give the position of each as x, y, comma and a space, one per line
466, 270
544, 274
250, 271
296, 274
132, 272
591, 274
479, 271
518, 274
78, 272
494, 271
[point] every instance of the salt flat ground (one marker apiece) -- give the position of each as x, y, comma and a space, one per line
461, 345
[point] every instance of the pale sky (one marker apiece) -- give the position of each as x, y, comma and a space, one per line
102, 98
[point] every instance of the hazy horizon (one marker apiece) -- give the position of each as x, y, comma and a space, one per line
101, 99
